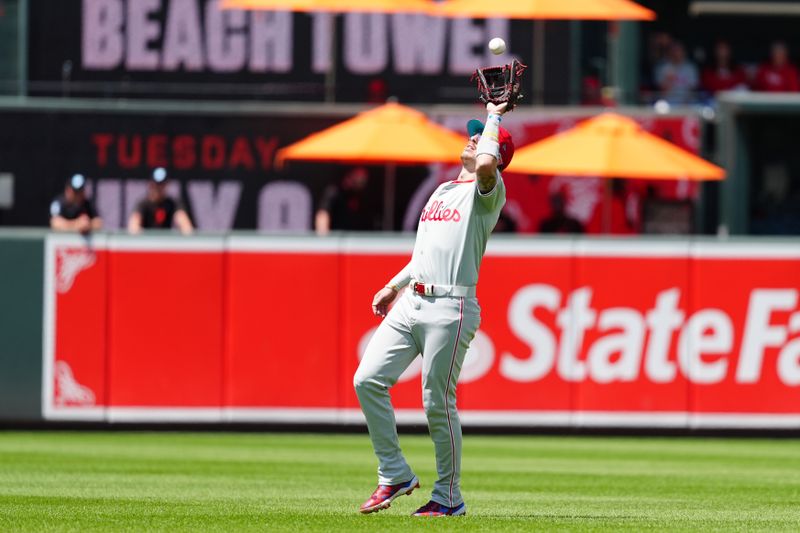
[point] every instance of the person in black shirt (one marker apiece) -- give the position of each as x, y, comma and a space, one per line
348, 206
72, 211
560, 221
157, 210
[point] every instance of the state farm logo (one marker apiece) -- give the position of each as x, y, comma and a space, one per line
437, 212
632, 342
629, 345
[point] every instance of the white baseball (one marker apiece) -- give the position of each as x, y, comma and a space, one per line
497, 46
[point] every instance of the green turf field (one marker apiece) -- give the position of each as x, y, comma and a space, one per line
299, 482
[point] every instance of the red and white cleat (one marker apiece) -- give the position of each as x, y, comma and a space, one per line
384, 495
433, 508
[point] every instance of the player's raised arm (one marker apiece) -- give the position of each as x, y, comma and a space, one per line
488, 150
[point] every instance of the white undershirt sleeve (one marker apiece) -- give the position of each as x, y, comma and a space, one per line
401, 279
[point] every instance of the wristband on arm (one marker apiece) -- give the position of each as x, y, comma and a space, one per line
489, 143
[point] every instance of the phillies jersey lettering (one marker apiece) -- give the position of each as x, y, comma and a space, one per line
438, 211
453, 230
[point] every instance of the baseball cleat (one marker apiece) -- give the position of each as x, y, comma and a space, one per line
384, 495
433, 508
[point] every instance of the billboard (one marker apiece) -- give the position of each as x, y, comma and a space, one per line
221, 161
573, 332
192, 49
221, 165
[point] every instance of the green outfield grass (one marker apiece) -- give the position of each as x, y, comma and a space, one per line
299, 482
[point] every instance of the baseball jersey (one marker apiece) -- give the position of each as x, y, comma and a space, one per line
453, 230
71, 210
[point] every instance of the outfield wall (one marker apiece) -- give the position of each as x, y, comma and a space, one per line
575, 332
21, 300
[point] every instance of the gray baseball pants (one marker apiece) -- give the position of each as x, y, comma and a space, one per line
440, 328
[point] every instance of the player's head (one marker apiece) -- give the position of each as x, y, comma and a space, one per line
76, 187
156, 188
474, 131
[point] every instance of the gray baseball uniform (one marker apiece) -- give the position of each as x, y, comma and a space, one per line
451, 240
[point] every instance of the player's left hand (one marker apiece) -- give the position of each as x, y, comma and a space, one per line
383, 298
497, 109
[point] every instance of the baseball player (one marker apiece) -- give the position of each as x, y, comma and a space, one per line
72, 211
159, 211
437, 317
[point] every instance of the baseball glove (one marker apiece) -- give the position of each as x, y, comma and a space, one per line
500, 84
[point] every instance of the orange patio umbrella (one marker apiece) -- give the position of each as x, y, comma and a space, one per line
334, 6
547, 9
391, 134
612, 146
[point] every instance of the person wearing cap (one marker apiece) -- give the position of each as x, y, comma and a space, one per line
72, 211
158, 210
437, 316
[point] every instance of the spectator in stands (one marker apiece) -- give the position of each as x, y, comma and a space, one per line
779, 75
560, 221
611, 214
723, 74
159, 211
347, 206
377, 91
658, 48
658, 44
592, 91
677, 77
72, 211
505, 223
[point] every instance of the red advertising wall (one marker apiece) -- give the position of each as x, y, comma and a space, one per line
573, 332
